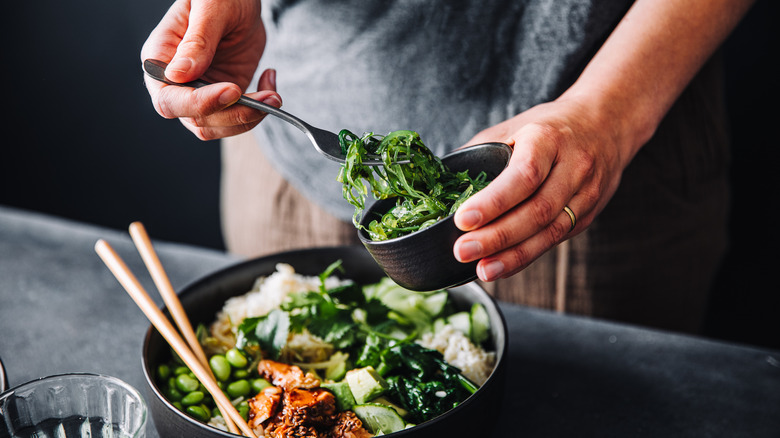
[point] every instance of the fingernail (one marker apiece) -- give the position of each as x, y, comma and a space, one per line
492, 271
272, 77
469, 250
229, 96
179, 65
469, 219
273, 100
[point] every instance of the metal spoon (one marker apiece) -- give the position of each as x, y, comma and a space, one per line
326, 142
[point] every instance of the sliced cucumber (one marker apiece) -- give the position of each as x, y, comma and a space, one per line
336, 371
410, 305
384, 401
435, 302
438, 324
461, 321
378, 417
480, 324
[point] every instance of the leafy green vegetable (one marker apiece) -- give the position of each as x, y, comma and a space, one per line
426, 190
423, 383
335, 266
270, 332
376, 326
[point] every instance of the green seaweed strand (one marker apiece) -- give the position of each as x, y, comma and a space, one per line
426, 190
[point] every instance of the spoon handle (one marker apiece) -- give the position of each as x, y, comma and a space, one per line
156, 69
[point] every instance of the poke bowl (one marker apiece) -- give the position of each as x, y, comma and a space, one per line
390, 401
423, 260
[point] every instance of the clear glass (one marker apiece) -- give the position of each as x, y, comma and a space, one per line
73, 406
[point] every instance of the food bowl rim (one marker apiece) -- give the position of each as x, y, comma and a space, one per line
500, 350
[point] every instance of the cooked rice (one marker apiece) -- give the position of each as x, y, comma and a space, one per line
269, 292
458, 350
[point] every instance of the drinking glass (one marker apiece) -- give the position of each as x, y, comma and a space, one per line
71, 406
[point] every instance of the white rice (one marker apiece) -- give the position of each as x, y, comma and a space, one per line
269, 292
458, 350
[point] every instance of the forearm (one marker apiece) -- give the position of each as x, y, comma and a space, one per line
648, 60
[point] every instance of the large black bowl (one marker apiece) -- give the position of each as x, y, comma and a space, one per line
423, 260
204, 298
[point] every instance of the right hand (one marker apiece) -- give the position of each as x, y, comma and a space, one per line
221, 41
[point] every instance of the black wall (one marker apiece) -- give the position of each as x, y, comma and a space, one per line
746, 301
84, 142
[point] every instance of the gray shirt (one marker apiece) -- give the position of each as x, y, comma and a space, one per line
444, 68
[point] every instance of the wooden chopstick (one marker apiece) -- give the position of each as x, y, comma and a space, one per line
149, 256
144, 245
131, 284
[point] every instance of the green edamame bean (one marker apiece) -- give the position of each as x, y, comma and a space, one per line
186, 384
178, 406
163, 372
198, 412
181, 370
260, 384
239, 388
192, 398
207, 410
236, 358
240, 374
243, 410
220, 367
174, 394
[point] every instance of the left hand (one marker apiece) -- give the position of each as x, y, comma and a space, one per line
563, 156
572, 151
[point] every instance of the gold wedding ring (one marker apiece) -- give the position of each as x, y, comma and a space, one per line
571, 216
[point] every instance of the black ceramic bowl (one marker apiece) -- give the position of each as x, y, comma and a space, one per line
423, 260
204, 298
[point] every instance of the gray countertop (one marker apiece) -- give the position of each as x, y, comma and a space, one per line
62, 311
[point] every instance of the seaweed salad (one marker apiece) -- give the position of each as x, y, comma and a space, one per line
426, 190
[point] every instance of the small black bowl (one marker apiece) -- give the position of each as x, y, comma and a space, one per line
423, 260
204, 298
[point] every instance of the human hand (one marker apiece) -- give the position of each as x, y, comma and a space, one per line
563, 156
572, 151
221, 41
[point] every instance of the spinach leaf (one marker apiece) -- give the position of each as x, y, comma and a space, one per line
348, 295
423, 382
269, 332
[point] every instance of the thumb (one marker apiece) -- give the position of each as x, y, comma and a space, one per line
197, 47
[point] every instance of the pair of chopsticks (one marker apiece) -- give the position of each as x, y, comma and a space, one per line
192, 355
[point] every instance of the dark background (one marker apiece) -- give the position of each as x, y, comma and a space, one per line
83, 142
